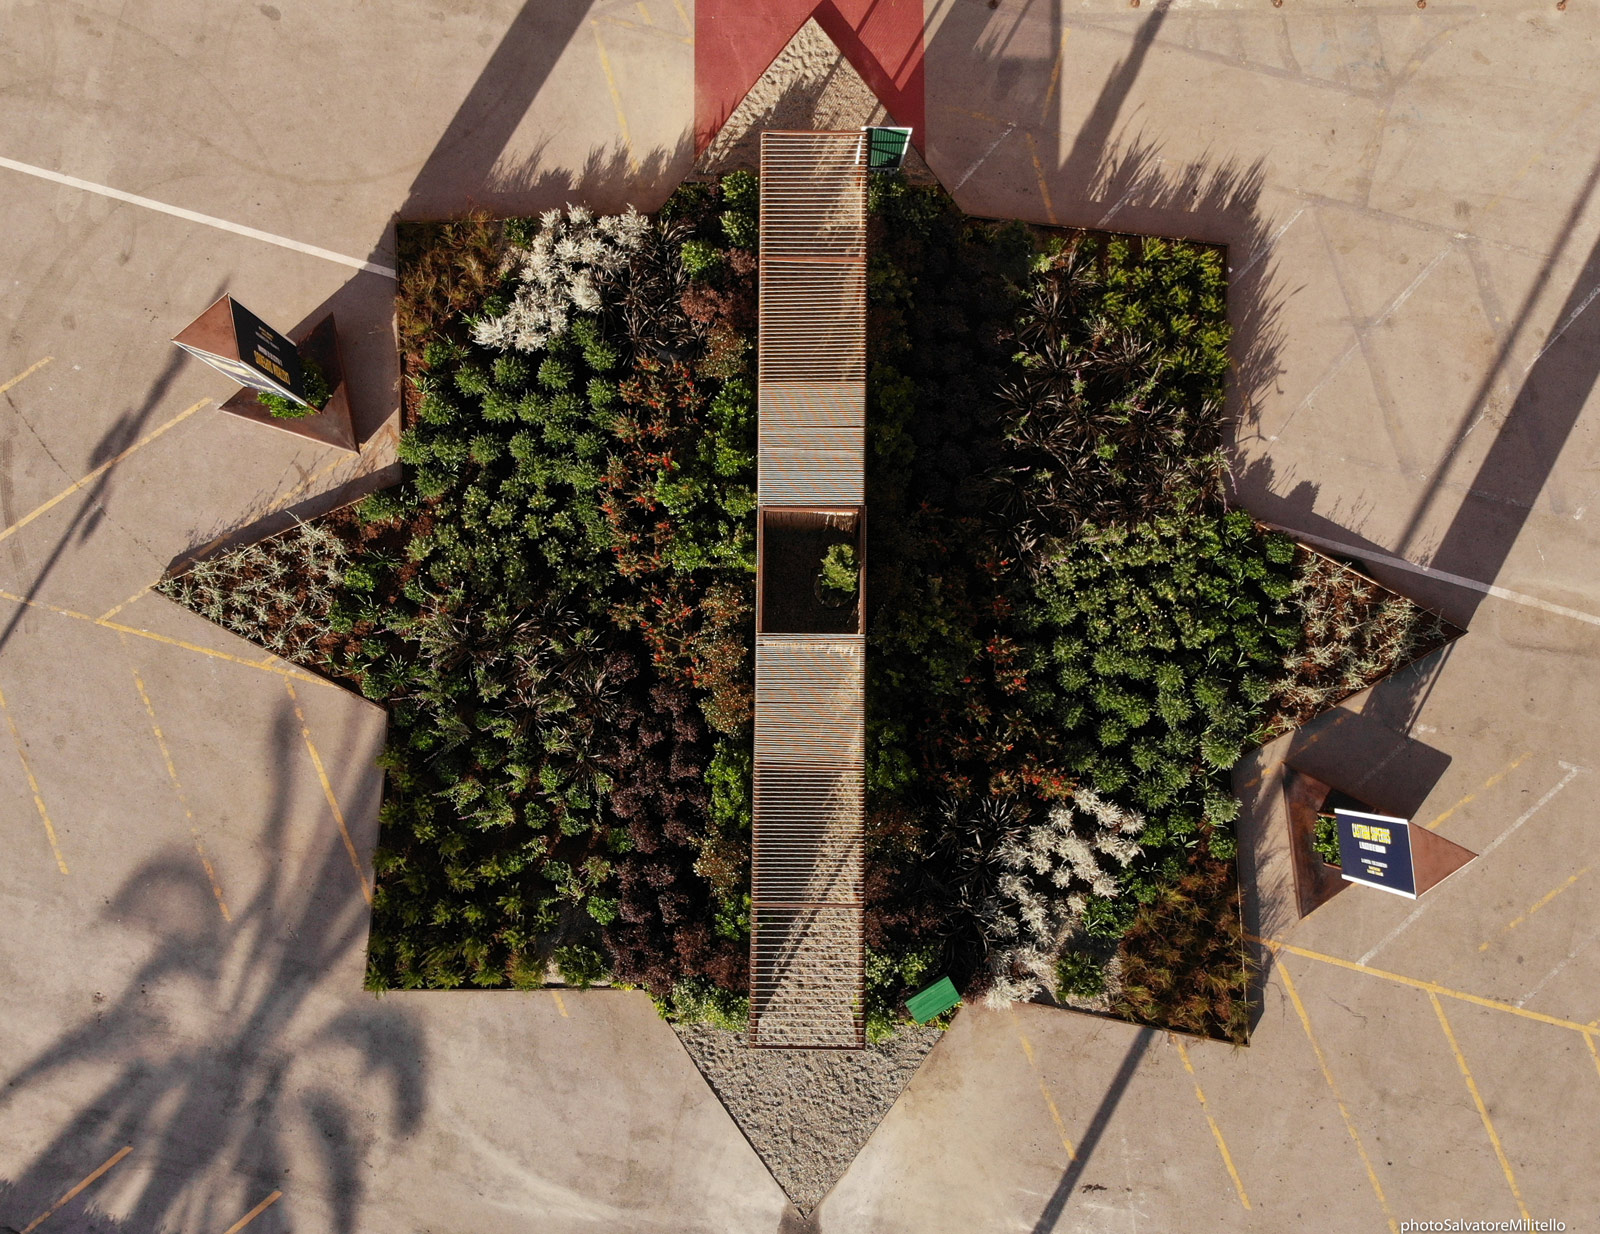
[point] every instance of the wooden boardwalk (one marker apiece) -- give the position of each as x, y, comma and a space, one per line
810, 743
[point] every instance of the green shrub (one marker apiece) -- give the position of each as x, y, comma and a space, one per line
316, 391
1079, 975
697, 1001
580, 965
700, 258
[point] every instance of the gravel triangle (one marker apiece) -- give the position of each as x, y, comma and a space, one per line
807, 1113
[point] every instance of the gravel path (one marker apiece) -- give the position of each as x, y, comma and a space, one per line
806, 1112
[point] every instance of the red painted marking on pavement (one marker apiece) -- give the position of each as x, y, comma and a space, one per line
736, 41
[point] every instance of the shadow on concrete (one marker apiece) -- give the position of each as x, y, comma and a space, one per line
1061, 1197
90, 510
207, 1106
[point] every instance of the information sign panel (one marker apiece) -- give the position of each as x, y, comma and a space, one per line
1375, 849
233, 340
274, 358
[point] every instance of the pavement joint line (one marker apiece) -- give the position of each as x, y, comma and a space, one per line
33, 786
194, 216
270, 665
327, 791
616, 95
1537, 905
1038, 170
1444, 576
1216, 1132
183, 796
1477, 1100
1482, 788
1333, 1087
1044, 1091
101, 470
254, 1213
1433, 987
561, 1004
73, 1194
26, 373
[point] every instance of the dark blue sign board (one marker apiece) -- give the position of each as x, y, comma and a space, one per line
1375, 849
233, 340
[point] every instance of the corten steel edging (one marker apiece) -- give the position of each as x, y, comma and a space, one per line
807, 944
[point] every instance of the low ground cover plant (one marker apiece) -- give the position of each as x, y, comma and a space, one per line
1070, 638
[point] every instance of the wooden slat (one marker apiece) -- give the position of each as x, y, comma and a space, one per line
806, 945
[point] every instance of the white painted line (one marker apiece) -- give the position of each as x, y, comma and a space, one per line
1563, 328
1444, 576
1572, 773
238, 229
993, 146
1556, 971
1361, 332
1266, 248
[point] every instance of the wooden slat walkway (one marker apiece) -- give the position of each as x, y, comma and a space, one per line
806, 886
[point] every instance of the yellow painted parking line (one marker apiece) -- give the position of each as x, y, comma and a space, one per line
1477, 1100
561, 1005
1483, 788
647, 29
683, 16
1588, 1040
1044, 1091
33, 787
26, 373
1055, 79
327, 791
1433, 987
1537, 905
254, 1213
90, 477
616, 95
66, 1199
1349, 1123
1044, 188
1216, 1132
271, 664
117, 608
183, 797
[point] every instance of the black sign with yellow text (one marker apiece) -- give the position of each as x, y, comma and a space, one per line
268, 353
1376, 850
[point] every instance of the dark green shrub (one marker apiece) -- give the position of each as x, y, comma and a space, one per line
316, 391
580, 965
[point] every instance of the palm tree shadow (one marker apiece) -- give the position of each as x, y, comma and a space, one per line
209, 1101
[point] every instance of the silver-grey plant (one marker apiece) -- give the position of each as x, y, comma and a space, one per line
1047, 870
563, 271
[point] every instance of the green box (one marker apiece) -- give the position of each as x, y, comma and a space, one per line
934, 1001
